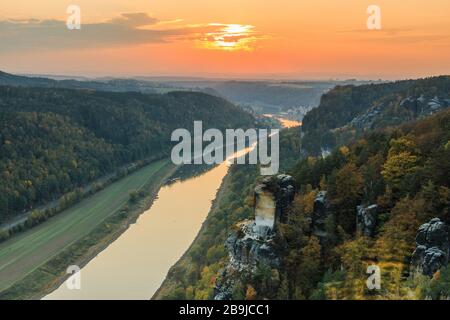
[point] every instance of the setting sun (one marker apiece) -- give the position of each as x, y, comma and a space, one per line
230, 37
251, 39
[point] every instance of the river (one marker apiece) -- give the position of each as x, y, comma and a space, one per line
285, 123
135, 264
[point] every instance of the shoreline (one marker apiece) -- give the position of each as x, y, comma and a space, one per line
82, 251
219, 194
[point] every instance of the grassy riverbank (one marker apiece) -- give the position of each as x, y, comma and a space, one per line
34, 263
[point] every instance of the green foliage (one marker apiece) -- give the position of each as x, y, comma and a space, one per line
440, 286
36, 217
331, 279
396, 169
345, 188
134, 196
309, 269
400, 164
342, 104
4, 234
53, 141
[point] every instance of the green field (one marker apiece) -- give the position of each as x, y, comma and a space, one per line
24, 253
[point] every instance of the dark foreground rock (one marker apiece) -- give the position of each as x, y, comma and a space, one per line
320, 214
432, 248
366, 220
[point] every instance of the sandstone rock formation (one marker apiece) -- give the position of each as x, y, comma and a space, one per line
415, 108
272, 197
253, 241
321, 212
366, 220
432, 248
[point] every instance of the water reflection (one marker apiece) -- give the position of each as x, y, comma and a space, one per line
134, 266
187, 172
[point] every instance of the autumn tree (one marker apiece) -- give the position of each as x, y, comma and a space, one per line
251, 293
308, 273
402, 162
345, 191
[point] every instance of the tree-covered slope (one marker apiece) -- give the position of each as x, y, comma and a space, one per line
358, 108
273, 97
53, 140
113, 85
402, 174
402, 170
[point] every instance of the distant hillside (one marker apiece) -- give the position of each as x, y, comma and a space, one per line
113, 85
54, 140
346, 111
292, 98
263, 96
273, 97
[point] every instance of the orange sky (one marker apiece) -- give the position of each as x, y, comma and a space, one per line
245, 38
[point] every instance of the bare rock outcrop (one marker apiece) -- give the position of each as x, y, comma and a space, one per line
321, 212
414, 107
252, 242
432, 248
272, 197
366, 220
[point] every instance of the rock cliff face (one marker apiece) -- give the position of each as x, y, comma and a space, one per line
432, 248
366, 217
320, 214
366, 220
265, 207
411, 107
252, 243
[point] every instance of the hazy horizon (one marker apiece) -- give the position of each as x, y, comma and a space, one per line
217, 77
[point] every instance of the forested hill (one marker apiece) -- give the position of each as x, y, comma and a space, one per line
115, 85
347, 110
401, 174
364, 205
54, 140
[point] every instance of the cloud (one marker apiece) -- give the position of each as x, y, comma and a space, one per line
127, 29
135, 20
230, 37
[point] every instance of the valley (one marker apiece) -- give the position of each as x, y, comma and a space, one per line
39, 252
363, 206
186, 231
225, 159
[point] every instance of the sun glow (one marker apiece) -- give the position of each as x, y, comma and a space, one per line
230, 37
